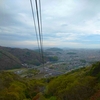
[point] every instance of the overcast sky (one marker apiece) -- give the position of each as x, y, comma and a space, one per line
66, 23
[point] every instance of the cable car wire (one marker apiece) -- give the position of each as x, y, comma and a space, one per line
35, 25
39, 30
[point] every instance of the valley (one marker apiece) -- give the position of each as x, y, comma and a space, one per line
58, 61
66, 74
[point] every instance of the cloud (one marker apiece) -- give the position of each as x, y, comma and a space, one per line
65, 23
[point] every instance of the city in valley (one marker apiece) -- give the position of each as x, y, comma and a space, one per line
67, 60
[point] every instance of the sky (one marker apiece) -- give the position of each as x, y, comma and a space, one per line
66, 23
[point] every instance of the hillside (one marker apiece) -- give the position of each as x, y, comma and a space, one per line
24, 55
8, 61
80, 84
29, 56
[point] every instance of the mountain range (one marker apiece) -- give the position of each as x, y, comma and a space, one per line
11, 58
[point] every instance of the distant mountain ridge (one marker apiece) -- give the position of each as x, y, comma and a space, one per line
54, 49
24, 56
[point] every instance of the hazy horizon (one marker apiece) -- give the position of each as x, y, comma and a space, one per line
45, 48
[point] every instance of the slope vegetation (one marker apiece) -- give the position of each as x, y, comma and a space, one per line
80, 84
